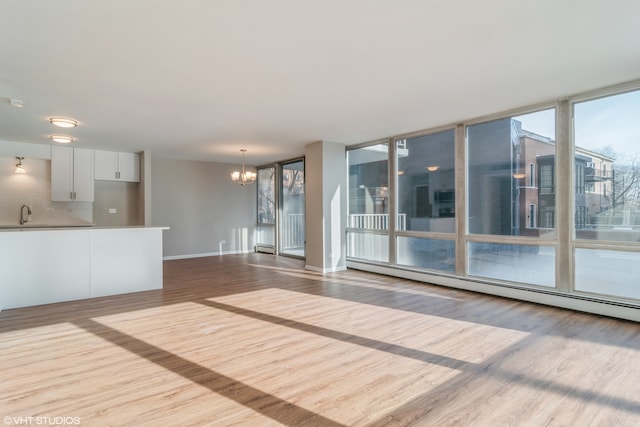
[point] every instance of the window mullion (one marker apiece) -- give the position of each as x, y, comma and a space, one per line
564, 181
393, 207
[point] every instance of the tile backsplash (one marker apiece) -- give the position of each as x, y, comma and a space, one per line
34, 189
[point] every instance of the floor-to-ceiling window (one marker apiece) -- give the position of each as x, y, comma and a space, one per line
545, 201
292, 223
607, 225
368, 210
503, 242
425, 226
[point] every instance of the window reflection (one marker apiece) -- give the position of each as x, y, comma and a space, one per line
432, 254
369, 187
368, 246
368, 203
504, 157
426, 181
266, 195
515, 263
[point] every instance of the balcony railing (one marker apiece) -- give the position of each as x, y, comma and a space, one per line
597, 175
376, 221
292, 232
293, 227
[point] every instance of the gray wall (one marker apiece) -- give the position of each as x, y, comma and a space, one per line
202, 206
121, 196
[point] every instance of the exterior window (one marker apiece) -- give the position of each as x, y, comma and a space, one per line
426, 201
426, 181
368, 209
547, 218
546, 179
433, 254
580, 178
266, 196
512, 177
581, 217
532, 174
533, 265
610, 210
608, 272
500, 153
532, 216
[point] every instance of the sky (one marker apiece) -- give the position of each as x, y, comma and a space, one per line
611, 121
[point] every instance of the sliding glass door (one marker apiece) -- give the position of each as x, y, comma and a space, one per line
292, 224
265, 230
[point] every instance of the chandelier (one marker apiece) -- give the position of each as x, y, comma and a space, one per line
244, 177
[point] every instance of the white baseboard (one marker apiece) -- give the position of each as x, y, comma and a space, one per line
573, 302
205, 254
325, 270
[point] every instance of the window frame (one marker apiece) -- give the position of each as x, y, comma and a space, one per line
563, 182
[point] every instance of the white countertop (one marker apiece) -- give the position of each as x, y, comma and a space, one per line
68, 227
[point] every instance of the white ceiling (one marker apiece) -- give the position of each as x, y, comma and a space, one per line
202, 79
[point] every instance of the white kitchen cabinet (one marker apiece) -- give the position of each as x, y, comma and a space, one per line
115, 166
39, 266
71, 174
43, 267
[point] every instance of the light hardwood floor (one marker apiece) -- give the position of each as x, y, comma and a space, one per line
254, 340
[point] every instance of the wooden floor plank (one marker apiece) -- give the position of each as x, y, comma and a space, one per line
256, 340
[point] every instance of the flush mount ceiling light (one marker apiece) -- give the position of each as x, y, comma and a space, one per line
62, 122
19, 167
62, 139
244, 177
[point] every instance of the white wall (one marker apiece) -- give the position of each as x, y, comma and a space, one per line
326, 206
202, 207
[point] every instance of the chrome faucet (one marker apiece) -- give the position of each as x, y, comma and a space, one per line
24, 220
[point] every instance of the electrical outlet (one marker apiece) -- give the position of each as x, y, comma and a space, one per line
113, 210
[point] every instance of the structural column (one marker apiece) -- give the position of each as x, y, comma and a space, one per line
325, 206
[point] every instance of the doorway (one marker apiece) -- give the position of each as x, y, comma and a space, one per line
292, 200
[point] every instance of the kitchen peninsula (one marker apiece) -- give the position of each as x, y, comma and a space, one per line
41, 265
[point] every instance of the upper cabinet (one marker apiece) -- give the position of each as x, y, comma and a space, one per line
71, 174
113, 166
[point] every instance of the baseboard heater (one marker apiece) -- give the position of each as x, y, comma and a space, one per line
267, 249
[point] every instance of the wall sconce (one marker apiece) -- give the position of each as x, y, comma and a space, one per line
19, 167
433, 168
